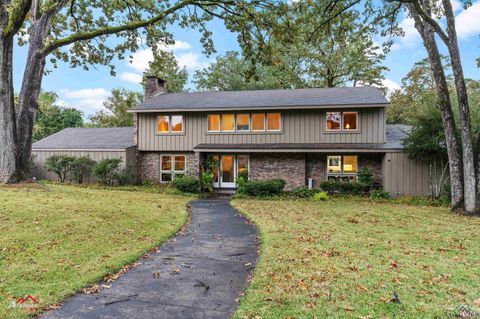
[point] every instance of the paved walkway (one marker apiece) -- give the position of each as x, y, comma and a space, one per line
197, 274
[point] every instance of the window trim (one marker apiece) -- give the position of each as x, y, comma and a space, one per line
356, 121
250, 130
342, 173
172, 171
219, 122
341, 129
170, 127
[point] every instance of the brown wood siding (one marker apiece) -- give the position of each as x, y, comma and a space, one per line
298, 126
402, 176
127, 156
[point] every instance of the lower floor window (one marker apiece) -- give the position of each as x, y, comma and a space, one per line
342, 167
172, 166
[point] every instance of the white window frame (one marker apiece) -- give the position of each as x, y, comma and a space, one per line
250, 128
264, 122
172, 171
342, 173
219, 122
249, 122
234, 123
170, 127
280, 124
341, 129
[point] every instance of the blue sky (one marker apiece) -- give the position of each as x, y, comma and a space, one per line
86, 90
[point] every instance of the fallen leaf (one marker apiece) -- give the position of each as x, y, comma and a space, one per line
106, 286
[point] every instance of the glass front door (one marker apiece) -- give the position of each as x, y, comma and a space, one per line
228, 168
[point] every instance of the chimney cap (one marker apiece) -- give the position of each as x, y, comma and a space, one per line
155, 77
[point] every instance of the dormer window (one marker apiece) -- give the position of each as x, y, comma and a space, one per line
341, 121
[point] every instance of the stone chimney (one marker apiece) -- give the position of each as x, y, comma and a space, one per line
154, 86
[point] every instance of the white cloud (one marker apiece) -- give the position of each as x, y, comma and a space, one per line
391, 86
86, 100
131, 77
191, 60
468, 21
411, 36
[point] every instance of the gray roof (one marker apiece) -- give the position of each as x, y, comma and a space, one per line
292, 98
395, 135
88, 138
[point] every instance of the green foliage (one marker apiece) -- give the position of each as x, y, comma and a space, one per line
106, 171
352, 188
52, 118
320, 197
148, 183
116, 107
207, 181
303, 192
187, 184
263, 188
241, 180
365, 177
379, 194
165, 66
61, 165
81, 167
126, 176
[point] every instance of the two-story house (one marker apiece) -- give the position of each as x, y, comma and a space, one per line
303, 136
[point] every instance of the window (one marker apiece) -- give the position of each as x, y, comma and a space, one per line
242, 166
243, 122
170, 124
228, 122
342, 121
171, 166
214, 122
350, 121
273, 121
258, 122
333, 121
342, 167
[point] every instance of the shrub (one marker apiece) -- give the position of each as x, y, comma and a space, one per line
61, 165
303, 192
241, 180
365, 177
106, 171
148, 183
264, 188
353, 188
81, 167
379, 194
207, 181
187, 184
126, 176
320, 196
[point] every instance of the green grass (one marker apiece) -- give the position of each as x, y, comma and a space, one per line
344, 258
55, 240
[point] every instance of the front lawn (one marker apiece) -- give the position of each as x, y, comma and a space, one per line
55, 239
345, 258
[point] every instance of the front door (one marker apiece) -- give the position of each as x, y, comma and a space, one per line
228, 168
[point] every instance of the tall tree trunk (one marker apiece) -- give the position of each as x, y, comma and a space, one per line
30, 92
8, 137
443, 102
469, 178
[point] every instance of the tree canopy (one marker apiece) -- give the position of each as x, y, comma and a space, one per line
165, 66
116, 106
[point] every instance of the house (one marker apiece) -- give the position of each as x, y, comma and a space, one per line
303, 136
96, 143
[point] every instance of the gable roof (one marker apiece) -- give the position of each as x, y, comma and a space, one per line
79, 138
262, 99
395, 134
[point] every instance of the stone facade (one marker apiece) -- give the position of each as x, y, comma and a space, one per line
374, 163
148, 165
287, 166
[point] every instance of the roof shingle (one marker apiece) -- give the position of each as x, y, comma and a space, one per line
88, 138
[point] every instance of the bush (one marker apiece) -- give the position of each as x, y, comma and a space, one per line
107, 170
353, 188
207, 181
148, 183
303, 192
187, 184
61, 165
126, 176
379, 194
241, 180
365, 177
263, 188
81, 167
321, 196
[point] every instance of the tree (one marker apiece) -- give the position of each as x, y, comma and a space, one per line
61, 165
52, 118
232, 72
320, 44
77, 33
116, 107
165, 66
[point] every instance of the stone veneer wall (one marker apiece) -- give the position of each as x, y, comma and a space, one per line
287, 166
148, 165
374, 163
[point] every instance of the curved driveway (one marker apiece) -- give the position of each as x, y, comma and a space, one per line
200, 273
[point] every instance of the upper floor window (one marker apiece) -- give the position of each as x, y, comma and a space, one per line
169, 124
342, 121
244, 122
